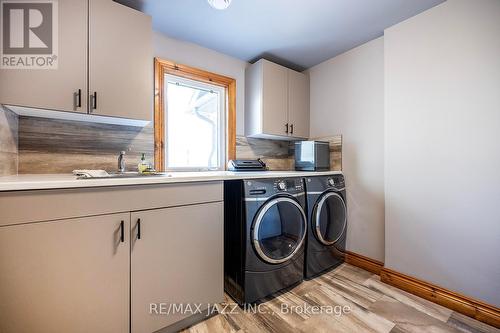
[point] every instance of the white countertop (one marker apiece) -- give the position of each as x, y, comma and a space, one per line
55, 181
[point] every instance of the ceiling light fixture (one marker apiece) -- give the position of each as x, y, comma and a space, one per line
219, 4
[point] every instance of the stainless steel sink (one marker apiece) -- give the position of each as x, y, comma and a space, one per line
135, 174
128, 175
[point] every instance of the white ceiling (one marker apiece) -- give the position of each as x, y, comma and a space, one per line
295, 33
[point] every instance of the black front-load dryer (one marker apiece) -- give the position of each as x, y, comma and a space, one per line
265, 227
327, 223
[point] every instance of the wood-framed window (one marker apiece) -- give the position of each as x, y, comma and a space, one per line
166, 73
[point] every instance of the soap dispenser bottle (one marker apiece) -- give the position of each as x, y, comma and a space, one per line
143, 164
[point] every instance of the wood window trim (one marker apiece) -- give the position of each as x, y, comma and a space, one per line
163, 67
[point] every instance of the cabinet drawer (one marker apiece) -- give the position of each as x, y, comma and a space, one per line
45, 205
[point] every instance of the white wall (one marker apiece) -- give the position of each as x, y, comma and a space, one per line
347, 97
442, 80
197, 56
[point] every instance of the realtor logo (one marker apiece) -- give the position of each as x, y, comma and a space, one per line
28, 34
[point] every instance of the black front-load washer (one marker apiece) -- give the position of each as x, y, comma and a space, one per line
327, 223
264, 235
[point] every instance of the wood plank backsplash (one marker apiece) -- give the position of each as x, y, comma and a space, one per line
8, 142
279, 155
60, 146
276, 154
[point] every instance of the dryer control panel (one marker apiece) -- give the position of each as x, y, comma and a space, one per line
321, 183
336, 181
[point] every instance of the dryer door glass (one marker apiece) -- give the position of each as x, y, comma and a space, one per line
330, 218
279, 230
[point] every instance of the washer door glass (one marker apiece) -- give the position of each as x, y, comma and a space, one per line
279, 230
330, 218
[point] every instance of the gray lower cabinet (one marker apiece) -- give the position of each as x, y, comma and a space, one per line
68, 275
63, 272
176, 258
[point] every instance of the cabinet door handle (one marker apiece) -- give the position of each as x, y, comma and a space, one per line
138, 228
286, 128
122, 231
94, 100
291, 129
78, 94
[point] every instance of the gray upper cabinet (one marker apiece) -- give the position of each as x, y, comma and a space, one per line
274, 98
277, 102
298, 104
105, 64
120, 62
55, 89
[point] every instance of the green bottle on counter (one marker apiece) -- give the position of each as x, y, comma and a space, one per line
143, 164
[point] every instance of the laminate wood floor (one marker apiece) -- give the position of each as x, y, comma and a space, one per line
372, 306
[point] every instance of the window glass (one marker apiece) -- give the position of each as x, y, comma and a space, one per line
194, 125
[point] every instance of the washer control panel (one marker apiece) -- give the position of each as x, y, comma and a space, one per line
268, 187
289, 185
281, 185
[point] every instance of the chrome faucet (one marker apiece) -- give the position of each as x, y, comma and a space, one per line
121, 162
